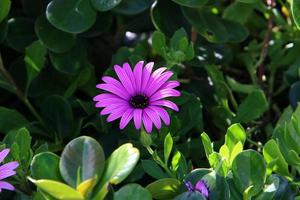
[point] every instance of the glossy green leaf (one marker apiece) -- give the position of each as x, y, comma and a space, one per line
72, 16
132, 192
132, 7
162, 11
166, 188
168, 146
270, 189
151, 168
70, 62
252, 107
240, 87
207, 24
20, 33
295, 7
54, 39
249, 170
191, 3
11, 119
208, 146
190, 196
4, 8
35, 57
294, 94
57, 113
235, 133
104, 5
275, 159
118, 166
45, 166
58, 190
82, 159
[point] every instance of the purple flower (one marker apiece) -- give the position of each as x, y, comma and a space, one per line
199, 187
139, 94
6, 170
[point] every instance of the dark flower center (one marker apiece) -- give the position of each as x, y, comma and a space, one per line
139, 101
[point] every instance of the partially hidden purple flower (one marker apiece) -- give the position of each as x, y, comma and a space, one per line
139, 94
6, 170
199, 187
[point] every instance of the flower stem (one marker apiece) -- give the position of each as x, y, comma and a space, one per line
19, 92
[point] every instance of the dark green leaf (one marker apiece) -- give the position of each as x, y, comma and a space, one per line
132, 192
45, 166
192, 3
104, 5
11, 119
72, 16
133, 7
53, 38
151, 168
4, 8
294, 94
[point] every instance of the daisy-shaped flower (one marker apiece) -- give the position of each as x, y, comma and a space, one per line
139, 94
6, 170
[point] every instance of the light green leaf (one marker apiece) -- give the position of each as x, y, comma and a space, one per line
166, 188
132, 192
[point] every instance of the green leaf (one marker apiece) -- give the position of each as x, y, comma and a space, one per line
236, 31
23, 141
70, 62
248, 1
72, 16
45, 166
82, 159
166, 188
238, 12
240, 87
295, 8
104, 5
270, 188
20, 33
4, 8
206, 24
235, 133
57, 189
168, 145
207, 144
58, 115
252, 107
54, 39
249, 170
294, 94
132, 7
191, 3
132, 192
35, 57
118, 166
162, 11
275, 159
11, 119
190, 196
152, 169
159, 43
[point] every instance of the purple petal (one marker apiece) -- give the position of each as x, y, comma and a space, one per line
111, 108
157, 83
147, 122
113, 81
126, 117
3, 154
189, 186
153, 116
9, 166
158, 72
125, 80
137, 118
170, 84
202, 188
162, 114
113, 89
103, 96
138, 72
130, 75
107, 102
146, 75
6, 173
155, 75
165, 103
117, 114
6, 185
160, 94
